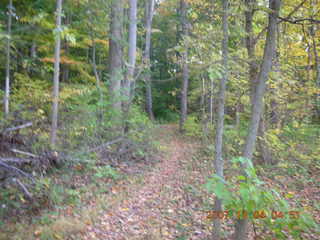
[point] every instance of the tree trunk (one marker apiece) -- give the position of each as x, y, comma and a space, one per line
97, 74
251, 45
202, 99
185, 67
116, 56
253, 72
65, 67
275, 117
148, 25
269, 52
33, 50
55, 104
211, 103
204, 106
132, 52
33, 56
7, 82
238, 110
132, 55
317, 64
98, 81
264, 149
95, 70
218, 163
149, 99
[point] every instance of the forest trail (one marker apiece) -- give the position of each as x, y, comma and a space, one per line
159, 206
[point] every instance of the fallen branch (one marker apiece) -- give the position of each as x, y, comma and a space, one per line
29, 124
24, 153
14, 169
105, 145
15, 160
23, 188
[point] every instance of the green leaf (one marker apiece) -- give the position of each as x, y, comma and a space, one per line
242, 178
222, 192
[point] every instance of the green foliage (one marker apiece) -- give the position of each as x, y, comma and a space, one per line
53, 194
248, 194
10, 197
65, 33
106, 172
234, 140
138, 119
193, 127
295, 141
167, 116
33, 94
85, 118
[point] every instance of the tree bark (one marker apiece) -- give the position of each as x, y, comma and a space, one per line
33, 50
185, 66
65, 46
275, 117
317, 65
219, 162
238, 111
116, 56
269, 52
55, 104
132, 54
202, 99
253, 72
264, 149
33, 56
211, 103
251, 45
98, 81
97, 74
7, 82
149, 12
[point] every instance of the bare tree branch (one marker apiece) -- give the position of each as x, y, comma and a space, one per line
24, 153
23, 188
14, 169
300, 21
289, 16
105, 144
29, 124
15, 160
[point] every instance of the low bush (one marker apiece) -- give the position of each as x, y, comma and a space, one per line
246, 196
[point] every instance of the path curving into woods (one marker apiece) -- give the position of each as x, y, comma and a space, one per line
159, 207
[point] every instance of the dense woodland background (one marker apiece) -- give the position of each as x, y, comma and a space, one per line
85, 85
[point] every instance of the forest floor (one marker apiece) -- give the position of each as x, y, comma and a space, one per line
169, 200
162, 199
165, 204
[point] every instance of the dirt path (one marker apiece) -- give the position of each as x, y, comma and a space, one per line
159, 207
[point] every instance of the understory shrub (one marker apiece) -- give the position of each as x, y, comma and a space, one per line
246, 196
85, 123
193, 127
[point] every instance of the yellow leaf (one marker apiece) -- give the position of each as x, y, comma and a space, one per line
290, 195
57, 236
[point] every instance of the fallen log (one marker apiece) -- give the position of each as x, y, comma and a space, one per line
15, 160
29, 124
14, 169
105, 145
24, 153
